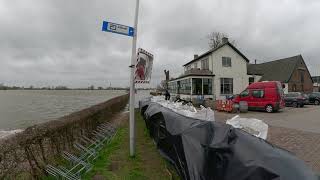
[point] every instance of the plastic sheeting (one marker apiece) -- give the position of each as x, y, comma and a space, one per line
253, 126
216, 151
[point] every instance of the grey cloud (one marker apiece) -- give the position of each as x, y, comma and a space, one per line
57, 42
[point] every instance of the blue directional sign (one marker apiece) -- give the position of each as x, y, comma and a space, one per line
117, 28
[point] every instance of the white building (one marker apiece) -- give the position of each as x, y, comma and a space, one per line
220, 72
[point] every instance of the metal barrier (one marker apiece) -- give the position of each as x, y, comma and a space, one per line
87, 151
226, 105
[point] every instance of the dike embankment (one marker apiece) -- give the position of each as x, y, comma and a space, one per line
25, 155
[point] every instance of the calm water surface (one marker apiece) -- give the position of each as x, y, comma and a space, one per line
22, 108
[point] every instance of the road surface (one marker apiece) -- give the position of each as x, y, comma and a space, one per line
304, 119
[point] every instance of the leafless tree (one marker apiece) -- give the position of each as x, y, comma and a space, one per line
162, 86
215, 39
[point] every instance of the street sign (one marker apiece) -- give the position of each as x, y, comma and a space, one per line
143, 66
117, 28
129, 31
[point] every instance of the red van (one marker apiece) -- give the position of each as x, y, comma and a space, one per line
267, 95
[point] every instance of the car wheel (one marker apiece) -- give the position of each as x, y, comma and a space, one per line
301, 105
294, 104
269, 108
317, 102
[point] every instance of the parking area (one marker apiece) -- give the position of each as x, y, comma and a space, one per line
294, 129
304, 119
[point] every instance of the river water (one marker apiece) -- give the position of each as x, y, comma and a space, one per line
22, 108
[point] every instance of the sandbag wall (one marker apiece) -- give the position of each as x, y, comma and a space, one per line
215, 151
25, 155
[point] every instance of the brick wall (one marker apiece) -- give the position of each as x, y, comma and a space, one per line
301, 80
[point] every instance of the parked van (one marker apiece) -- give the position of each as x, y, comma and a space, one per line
267, 95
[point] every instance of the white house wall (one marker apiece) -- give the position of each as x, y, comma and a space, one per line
257, 78
237, 71
198, 62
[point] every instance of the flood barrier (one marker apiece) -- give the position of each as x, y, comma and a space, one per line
211, 150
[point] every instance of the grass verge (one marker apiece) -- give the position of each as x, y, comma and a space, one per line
114, 161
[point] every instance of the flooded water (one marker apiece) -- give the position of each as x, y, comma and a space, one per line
22, 108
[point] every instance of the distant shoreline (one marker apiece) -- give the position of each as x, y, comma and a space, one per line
8, 133
117, 89
62, 89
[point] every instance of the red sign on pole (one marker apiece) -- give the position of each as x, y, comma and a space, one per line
143, 67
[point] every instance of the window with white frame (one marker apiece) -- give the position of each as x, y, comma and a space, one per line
207, 86
195, 65
226, 61
188, 68
226, 86
196, 86
185, 86
172, 86
205, 64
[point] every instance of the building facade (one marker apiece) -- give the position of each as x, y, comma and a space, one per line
292, 72
215, 74
225, 71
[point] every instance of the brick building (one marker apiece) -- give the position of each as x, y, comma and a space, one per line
292, 72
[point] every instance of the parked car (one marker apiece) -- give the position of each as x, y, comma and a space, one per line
267, 95
314, 98
306, 99
295, 99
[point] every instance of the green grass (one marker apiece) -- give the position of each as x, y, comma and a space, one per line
114, 161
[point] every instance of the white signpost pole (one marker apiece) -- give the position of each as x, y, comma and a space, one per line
132, 82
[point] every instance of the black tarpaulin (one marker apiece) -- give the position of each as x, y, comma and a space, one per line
215, 151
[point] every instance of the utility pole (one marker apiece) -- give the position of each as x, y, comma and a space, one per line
132, 83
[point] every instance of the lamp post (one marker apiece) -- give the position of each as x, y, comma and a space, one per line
132, 82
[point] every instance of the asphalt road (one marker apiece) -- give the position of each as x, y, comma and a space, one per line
304, 119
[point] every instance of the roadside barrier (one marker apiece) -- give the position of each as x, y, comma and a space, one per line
201, 149
218, 105
88, 149
226, 105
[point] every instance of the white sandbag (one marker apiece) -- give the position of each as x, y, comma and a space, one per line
253, 126
205, 114
185, 109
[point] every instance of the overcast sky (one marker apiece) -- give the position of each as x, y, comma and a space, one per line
59, 42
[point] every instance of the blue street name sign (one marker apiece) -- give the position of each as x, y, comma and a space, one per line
117, 28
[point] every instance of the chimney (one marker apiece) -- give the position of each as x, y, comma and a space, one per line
195, 56
225, 40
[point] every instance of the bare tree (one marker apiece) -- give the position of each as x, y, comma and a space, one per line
162, 86
215, 39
